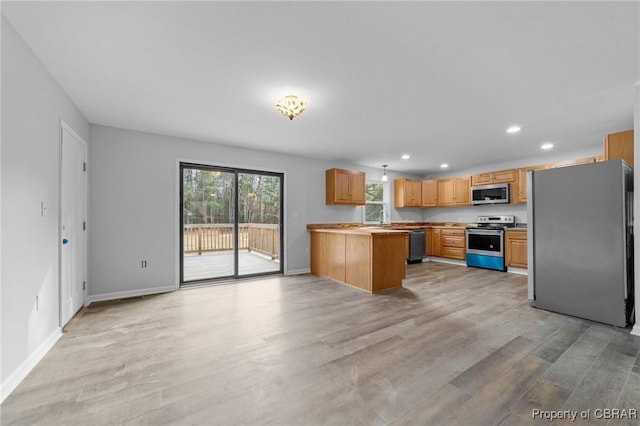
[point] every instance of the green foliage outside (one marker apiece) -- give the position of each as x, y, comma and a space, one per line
209, 197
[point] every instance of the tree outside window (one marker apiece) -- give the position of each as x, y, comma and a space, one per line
376, 201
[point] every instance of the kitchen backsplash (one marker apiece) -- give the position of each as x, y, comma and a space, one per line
470, 214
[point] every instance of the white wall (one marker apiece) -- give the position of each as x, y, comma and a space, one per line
470, 214
133, 187
32, 106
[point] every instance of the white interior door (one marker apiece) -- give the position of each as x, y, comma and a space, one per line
73, 207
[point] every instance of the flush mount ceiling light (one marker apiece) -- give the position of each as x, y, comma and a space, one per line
291, 106
546, 146
384, 178
513, 129
444, 165
405, 156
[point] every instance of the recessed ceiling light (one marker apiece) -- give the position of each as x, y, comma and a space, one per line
405, 156
546, 145
513, 129
444, 165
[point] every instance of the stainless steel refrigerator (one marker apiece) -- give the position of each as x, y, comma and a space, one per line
580, 241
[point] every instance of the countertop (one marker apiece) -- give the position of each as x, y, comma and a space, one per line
397, 226
360, 230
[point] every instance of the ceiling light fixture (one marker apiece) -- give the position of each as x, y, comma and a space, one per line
513, 129
546, 146
444, 165
385, 178
291, 106
405, 156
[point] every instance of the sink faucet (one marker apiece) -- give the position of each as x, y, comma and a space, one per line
382, 217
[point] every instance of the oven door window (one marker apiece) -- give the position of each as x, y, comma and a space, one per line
485, 242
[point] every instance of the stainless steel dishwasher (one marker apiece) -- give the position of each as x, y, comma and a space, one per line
416, 246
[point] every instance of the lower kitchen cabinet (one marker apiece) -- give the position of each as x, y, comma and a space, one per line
453, 244
516, 249
432, 241
446, 242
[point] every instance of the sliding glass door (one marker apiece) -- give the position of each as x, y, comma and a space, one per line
231, 223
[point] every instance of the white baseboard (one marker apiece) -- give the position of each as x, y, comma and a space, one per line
25, 368
130, 293
299, 271
445, 260
636, 329
511, 269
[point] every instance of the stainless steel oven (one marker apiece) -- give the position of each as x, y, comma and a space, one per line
485, 242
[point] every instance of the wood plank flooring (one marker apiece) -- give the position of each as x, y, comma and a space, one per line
455, 346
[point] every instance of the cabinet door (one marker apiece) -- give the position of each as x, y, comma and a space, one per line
318, 253
522, 181
445, 192
462, 188
504, 176
407, 193
516, 249
400, 193
356, 187
619, 145
416, 193
337, 186
436, 244
429, 193
482, 179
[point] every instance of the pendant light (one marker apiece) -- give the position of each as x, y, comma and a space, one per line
385, 178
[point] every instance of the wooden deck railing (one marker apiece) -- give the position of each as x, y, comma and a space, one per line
207, 237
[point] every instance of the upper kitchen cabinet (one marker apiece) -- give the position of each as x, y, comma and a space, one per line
573, 162
429, 193
522, 182
502, 176
407, 193
619, 145
344, 187
454, 192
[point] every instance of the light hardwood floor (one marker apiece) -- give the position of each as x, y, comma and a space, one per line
455, 346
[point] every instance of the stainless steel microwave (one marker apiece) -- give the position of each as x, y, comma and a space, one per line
497, 193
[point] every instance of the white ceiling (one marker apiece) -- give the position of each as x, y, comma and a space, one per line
441, 81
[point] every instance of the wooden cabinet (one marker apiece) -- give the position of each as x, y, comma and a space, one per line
433, 242
454, 192
407, 193
446, 242
516, 249
572, 162
344, 187
522, 182
619, 145
453, 244
429, 193
502, 176
371, 261
519, 190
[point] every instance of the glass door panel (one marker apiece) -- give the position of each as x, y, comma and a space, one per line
259, 223
208, 223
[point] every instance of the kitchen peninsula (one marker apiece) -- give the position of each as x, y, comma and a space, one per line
372, 259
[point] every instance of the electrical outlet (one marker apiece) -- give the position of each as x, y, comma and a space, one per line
143, 264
